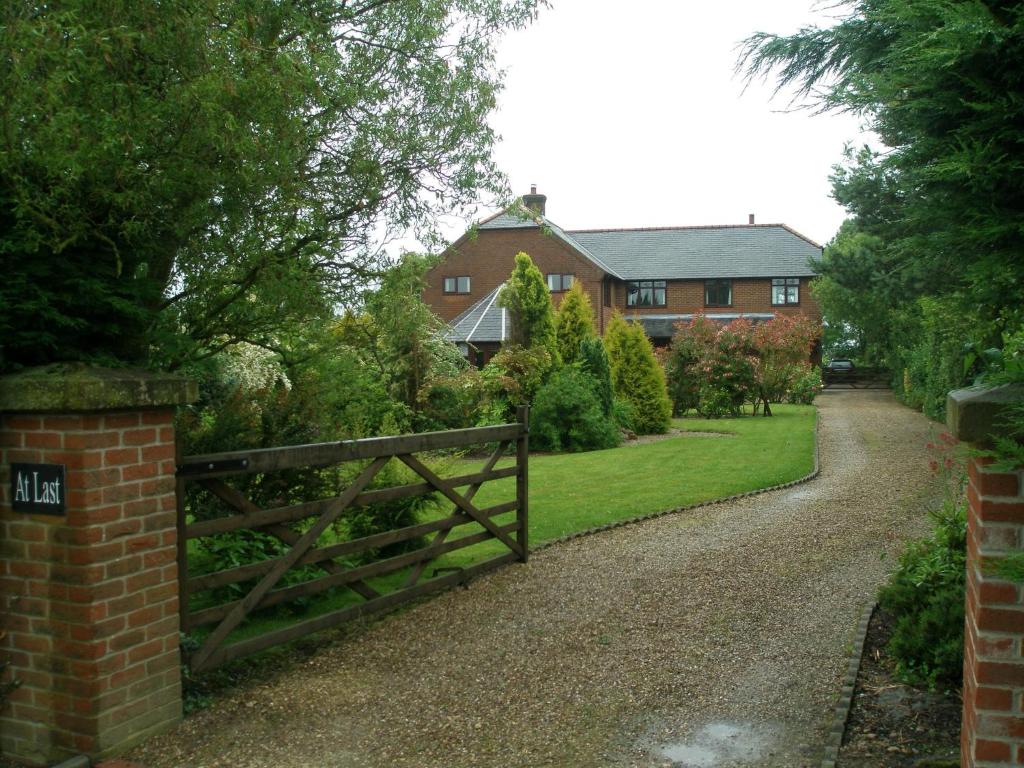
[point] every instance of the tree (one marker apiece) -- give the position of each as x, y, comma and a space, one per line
939, 83
177, 177
594, 362
528, 302
574, 323
614, 340
638, 378
399, 337
783, 347
853, 297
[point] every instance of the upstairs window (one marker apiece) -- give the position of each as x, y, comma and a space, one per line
785, 290
456, 284
645, 293
718, 293
558, 283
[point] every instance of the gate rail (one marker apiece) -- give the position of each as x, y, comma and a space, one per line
210, 470
859, 378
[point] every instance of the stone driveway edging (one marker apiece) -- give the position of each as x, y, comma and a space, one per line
675, 510
842, 710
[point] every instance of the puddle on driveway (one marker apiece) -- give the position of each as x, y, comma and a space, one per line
721, 744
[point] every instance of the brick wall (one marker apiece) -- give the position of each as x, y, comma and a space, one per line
686, 297
488, 258
90, 599
993, 717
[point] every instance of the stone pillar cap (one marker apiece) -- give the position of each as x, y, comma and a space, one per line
76, 387
977, 413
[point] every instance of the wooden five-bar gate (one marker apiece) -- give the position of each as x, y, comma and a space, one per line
858, 378
301, 526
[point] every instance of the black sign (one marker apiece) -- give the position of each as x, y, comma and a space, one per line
38, 488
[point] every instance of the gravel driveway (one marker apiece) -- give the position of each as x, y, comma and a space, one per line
709, 638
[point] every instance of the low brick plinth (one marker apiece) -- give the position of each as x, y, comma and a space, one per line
993, 692
90, 597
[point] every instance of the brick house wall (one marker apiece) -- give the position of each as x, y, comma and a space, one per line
488, 259
685, 297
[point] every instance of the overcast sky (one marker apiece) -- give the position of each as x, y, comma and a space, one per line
629, 115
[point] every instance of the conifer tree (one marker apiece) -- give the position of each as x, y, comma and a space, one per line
575, 323
638, 378
593, 361
614, 336
526, 297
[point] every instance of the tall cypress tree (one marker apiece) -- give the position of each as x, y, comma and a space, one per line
638, 378
575, 323
526, 297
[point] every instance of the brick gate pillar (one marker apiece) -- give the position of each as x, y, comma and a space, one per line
89, 659
993, 692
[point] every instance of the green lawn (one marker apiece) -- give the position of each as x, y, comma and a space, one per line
575, 492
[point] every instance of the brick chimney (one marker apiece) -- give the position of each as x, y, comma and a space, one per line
535, 202
750, 219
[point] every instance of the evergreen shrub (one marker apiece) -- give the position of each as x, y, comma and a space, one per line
638, 377
925, 595
594, 362
567, 415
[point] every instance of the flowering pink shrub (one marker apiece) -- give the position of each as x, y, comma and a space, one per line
717, 368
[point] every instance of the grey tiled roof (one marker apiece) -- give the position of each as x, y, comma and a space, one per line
756, 250
664, 326
484, 321
511, 218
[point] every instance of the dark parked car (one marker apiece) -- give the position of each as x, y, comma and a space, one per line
839, 366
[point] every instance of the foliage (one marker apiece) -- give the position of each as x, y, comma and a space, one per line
399, 338
514, 375
452, 402
682, 367
528, 302
716, 369
783, 347
938, 212
1004, 365
805, 387
637, 377
929, 352
857, 321
567, 415
249, 401
574, 323
176, 178
593, 361
713, 365
938, 83
926, 593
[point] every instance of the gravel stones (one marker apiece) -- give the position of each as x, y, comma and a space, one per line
609, 649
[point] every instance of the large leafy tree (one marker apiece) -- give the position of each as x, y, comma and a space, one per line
178, 177
398, 337
939, 82
852, 296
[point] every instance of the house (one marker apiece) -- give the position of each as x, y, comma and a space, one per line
657, 276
